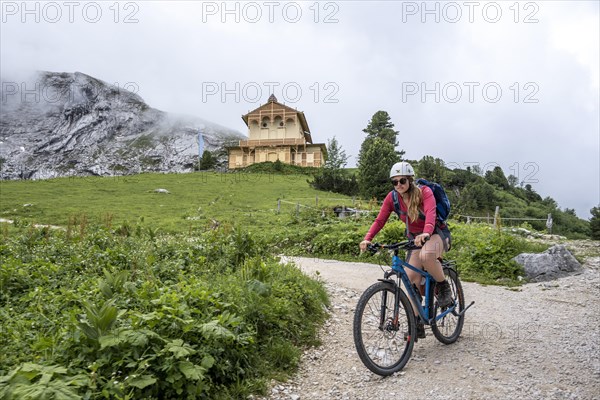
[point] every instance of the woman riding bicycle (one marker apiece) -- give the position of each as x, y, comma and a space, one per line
418, 212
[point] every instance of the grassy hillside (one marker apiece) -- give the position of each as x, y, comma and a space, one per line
250, 198
200, 202
195, 201
477, 193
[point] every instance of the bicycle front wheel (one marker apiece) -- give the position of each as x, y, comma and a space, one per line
384, 339
448, 328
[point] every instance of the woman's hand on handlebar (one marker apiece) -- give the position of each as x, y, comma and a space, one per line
363, 245
421, 239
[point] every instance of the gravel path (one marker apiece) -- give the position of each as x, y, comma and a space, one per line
539, 341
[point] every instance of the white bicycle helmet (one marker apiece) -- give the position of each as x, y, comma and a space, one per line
402, 168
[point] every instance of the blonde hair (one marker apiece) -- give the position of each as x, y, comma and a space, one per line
415, 199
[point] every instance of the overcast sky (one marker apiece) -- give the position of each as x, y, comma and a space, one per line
507, 83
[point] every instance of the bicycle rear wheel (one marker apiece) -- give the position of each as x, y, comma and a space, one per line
384, 341
448, 329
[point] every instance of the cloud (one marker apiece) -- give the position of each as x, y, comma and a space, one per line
353, 58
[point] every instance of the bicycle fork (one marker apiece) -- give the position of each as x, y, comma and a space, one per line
384, 320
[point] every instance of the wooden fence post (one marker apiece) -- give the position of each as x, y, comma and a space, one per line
496, 215
278, 205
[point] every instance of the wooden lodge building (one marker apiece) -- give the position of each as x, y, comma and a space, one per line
277, 132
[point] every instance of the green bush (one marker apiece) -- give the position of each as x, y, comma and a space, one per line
278, 167
140, 316
484, 254
337, 181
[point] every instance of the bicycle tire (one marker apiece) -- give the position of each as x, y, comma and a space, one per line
383, 347
448, 329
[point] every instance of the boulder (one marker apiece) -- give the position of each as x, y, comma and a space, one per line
343, 211
555, 262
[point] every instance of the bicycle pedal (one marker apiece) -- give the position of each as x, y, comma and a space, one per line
407, 337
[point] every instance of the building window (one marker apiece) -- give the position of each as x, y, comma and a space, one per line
265, 122
278, 121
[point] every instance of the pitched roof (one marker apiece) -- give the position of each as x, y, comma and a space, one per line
272, 106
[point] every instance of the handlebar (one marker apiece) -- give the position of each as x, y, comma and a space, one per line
406, 245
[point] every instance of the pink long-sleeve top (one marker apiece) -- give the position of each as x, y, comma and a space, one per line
426, 226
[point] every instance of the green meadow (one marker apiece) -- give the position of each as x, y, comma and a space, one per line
281, 211
195, 200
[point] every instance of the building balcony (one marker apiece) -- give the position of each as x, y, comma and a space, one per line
271, 142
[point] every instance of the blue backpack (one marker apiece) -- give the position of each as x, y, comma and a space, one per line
441, 200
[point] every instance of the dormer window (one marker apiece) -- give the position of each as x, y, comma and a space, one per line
265, 122
278, 121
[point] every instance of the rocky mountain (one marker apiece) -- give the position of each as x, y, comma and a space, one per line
61, 124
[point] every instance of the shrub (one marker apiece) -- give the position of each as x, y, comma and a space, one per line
485, 254
106, 315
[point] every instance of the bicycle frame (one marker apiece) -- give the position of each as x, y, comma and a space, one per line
398, 266
385, 338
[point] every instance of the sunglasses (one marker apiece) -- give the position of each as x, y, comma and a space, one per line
401, 181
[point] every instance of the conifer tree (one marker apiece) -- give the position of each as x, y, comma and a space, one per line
377, 155
207, 161
595, 223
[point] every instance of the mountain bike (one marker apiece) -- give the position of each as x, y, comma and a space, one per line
384, 321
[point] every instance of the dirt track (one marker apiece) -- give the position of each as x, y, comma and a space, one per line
539, 342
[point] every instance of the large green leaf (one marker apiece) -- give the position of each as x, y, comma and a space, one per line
142, 381
179, 349
191, 371
214, 330
110, 341
208, 361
